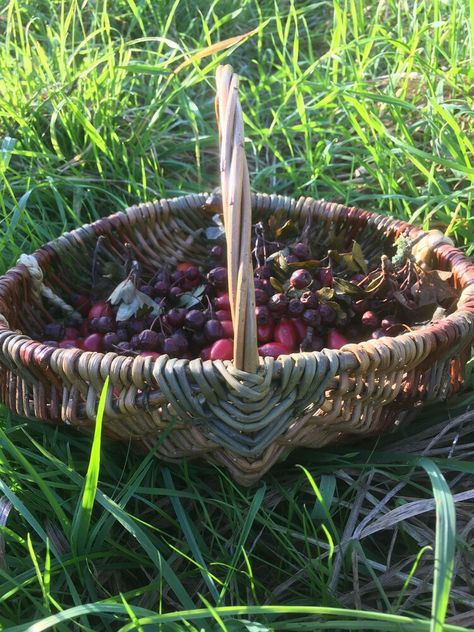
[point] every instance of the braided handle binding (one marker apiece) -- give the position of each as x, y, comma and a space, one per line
237, 212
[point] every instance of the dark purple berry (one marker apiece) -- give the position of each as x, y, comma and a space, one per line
278, 304
175, 317
360, 306
199, 339
295, 308
328, 314
111, 341
302, 251
125, 347
148, 340
261, 296
175, 292
149, 290
357, 278
54, 331
263, 272
162, 288
134, 327
378, 333
292, 259
311, 317
104, 324
181, 340
217, 252
213, 330
171, 347
300, 279
263, 315
192, 273
310, 300
194, 320
218, 277
177, 276
51, 343
122, 334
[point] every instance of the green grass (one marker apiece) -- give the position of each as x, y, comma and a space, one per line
364, 103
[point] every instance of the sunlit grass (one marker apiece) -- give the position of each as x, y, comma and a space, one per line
364, 103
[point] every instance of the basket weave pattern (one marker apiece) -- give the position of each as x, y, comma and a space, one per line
243, 420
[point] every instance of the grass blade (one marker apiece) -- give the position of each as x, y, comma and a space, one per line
445, 544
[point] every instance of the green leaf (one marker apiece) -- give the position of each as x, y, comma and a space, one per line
445, 544
82, 517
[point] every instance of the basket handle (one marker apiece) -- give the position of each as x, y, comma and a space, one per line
237, 213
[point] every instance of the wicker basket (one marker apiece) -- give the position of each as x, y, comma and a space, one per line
244, 414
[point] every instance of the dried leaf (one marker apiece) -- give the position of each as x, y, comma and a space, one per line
289, 230
325, 293
358, 257
311, 264
131, 300
215, 48
433, 288
276, 285
346, 287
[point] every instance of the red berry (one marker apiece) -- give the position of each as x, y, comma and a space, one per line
370, 319
222, 301
222, 349
300, 327
300, 279
81, 303
273, 350
184, 266
228, 328
223, 314
150, 354
100, 309
325, 276
94, 342
70, 333
265, 332
336, 340
286, 334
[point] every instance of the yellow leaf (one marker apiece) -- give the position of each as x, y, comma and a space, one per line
215, 48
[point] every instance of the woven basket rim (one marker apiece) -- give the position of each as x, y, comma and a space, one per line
349, 357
